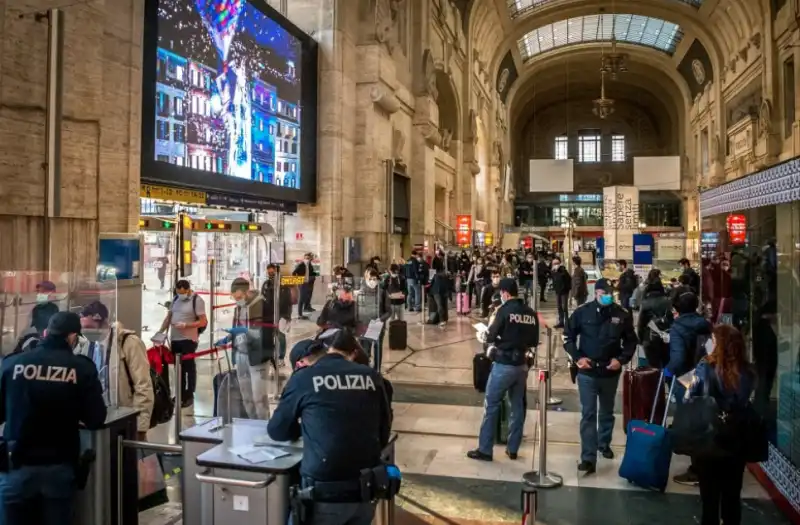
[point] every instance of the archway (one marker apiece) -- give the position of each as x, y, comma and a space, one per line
447, 101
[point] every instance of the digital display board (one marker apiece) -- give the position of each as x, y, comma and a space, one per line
229, 99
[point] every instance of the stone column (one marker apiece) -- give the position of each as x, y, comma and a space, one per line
423, 168
326, 223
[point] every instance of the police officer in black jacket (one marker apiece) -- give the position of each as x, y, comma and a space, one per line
607, 342
342, 411
45, 394
514, 331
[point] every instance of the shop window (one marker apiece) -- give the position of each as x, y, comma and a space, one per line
788, 97
561, 148
617, 148
589, 148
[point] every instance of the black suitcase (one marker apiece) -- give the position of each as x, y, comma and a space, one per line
481, 368
398, 335
228, 402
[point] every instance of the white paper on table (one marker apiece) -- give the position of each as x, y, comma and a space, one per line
374, 330
257, 455
480, 327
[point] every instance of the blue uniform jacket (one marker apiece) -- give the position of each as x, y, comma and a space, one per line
515, 329
343, 413
606, 333
46, 393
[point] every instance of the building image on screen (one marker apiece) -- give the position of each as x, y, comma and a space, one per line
228, 91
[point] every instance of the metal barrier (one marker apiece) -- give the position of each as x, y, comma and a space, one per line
550, 348
530, 504
136, 445
541, 478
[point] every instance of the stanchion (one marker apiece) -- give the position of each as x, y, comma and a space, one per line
530, 504
542, 479
178, 396
276, 318
423, 318
550, 346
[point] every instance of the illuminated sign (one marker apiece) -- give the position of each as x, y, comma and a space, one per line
464, 230
292, 280
185, 243
489, 238
250, 227
166, 193
737, 229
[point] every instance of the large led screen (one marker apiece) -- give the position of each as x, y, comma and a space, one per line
230, 100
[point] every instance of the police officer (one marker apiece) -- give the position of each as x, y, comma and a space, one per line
607, 342
45, 393
513, 332
342, 411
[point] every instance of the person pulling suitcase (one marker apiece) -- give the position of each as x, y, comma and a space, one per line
607, 343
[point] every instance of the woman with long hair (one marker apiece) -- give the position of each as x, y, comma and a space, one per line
726, 375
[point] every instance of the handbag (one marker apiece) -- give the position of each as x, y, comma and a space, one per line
701, 428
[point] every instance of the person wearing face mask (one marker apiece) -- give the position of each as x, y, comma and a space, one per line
305, 269
186, 319
46, 394
600, 339
339, 312
135, 386
45, 307
562, 286
373, 303
475, 280
543, 275
342, 410
527, 269
490, 294
512, 333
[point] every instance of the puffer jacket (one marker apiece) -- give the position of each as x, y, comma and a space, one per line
133, 360
683, 340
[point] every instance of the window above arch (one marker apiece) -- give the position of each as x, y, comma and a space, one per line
629, 29
518, 8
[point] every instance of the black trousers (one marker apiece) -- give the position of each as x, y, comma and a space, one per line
720, 489
542, 288
188, 367
304, 300
441, 306
563, 308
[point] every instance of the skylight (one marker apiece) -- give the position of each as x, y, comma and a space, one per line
517, 8
630, 29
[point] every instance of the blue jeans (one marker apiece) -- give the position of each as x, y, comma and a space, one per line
597, 425
414, 294
502, 379
42, 495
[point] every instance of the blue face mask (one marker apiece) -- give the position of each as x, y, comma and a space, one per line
606, 300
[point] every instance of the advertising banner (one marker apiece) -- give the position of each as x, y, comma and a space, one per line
620, 220
642, 248
737, 229
464, 230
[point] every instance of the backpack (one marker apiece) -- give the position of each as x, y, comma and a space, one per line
163, 404
200, 329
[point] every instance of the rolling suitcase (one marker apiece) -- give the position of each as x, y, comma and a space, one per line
640, 386
228, 402
481, 368
462, 303
398, 335
648, 451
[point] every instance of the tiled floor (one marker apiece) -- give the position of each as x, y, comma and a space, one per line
438, 415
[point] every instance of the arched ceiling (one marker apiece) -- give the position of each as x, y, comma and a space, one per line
522, 26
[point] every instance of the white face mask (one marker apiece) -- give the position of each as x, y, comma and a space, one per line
556, 266
372, 283
495, 282
42, 297
530, 260
81, 346
241, 302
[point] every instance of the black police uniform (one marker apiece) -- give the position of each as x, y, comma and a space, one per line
514, 330
345, 420
46, 393
606, 333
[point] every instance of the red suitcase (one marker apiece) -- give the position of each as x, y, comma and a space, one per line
639, 388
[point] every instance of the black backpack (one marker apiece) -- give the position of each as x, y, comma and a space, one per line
163, 404
200, 329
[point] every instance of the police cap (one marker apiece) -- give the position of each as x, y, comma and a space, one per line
603, 284
63, 324
509, 286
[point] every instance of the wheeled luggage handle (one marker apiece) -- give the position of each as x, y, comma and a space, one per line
214, 480
655, 399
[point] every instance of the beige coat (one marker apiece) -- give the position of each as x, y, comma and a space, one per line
133, 353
